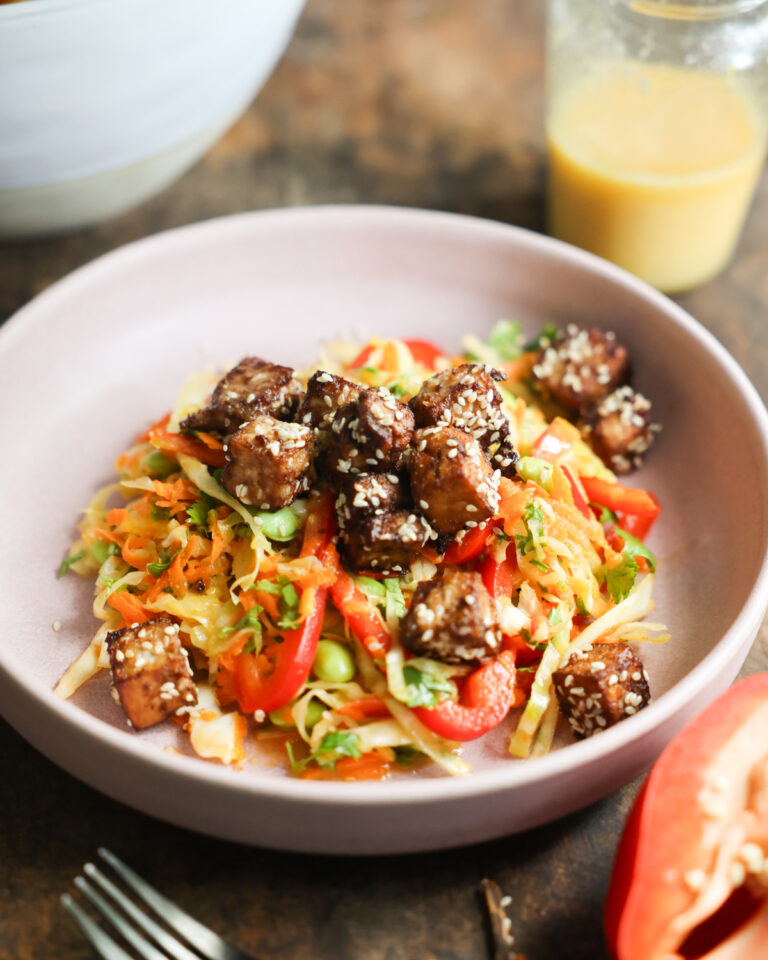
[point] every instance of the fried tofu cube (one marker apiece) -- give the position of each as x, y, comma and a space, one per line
268, 462
452, 482
387, 542
600, 687
150, 671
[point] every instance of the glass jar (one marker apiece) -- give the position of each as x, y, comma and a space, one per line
656, 124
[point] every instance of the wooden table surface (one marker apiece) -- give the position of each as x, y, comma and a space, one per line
429, 103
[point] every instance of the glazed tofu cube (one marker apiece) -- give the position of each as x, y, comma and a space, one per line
452, 482
600, 687
150, 671
267, 462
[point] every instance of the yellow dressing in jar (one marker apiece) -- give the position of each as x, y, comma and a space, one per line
653, 167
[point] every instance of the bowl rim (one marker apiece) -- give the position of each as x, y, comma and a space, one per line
31, 8
408, 791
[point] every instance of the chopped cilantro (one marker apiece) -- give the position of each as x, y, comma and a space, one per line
198, 512
425, 689
620, 579
250, 621
533, 519
288, 605
544, 339
161, 513
606, 515
506, 339
406, 756
333, 746
67, 562
266, 586
634, 548
374, 590
162, 564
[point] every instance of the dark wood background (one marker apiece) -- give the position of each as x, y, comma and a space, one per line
429, 103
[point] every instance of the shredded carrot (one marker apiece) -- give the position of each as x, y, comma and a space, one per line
364, 707
191, 446
115, 517
160, 424
371, 766
139, 551
129, 607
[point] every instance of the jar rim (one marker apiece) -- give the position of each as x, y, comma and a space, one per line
693, 9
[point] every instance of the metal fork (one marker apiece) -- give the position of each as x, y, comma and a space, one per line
130, 917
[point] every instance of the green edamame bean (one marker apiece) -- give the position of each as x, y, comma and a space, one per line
315, 710
281, 525
159, 465
333, 662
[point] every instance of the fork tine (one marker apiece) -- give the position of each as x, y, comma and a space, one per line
204, 940
104, 945
168, 942
142, 946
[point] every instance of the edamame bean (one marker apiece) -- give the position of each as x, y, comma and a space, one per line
333, 662
159, 465
281, 525
283, 718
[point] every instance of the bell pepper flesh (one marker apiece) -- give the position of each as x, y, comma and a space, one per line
693, 796
470, 546
621, 499
485, 701
296, 655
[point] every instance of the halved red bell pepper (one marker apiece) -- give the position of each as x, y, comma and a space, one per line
708, 790
471, 544
295, 656
361, 616
485, 700
621, 499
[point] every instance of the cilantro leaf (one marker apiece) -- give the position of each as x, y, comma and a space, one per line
620, 579
425, 689
198, 512
67, 562
634, 548
405, 756
531, 542
606, 515
159, 566
506, 339
288, 606
250, 621
266, 586
334, 746
544, 339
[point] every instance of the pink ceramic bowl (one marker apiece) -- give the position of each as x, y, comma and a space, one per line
124, 332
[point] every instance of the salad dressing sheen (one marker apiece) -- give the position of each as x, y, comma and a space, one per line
653, 167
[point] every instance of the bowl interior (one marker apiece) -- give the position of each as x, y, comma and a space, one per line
95, 359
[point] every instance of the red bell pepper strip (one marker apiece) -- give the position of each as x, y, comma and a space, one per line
485, 701
296, 653
361, 616
635, 525
710, 783
295, 657
471, 544
557, 440
422, 351
621, 499
578, 499
499, 578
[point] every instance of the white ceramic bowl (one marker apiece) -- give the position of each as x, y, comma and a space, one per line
129, 328
103, 103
